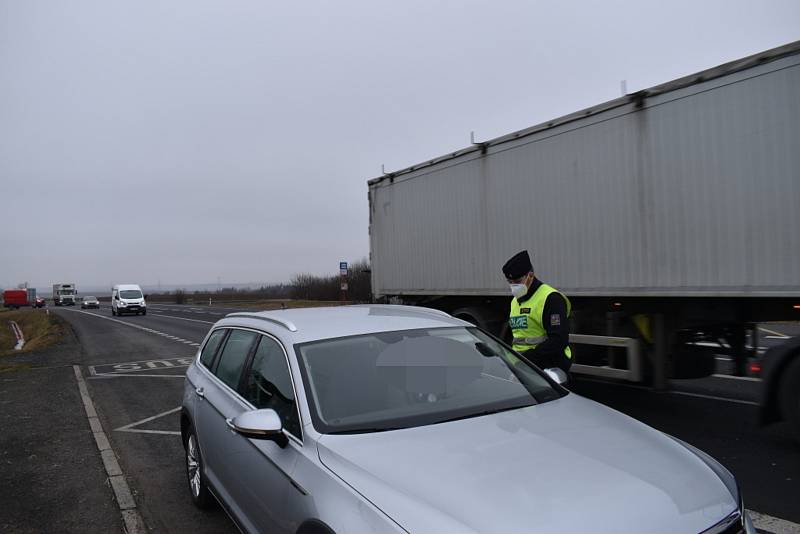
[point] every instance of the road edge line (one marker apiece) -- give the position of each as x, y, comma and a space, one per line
131, 518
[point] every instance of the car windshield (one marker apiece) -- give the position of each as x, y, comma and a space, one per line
390, 380
130, 294
89, 298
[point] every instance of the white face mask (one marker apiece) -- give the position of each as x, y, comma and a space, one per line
518, 290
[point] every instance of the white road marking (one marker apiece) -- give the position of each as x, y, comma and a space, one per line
131, 427
166, 432
670, 392
122, 492
144, 328
183, 318
115, 375
731, 377
712, 397
140, 365
719, 346
773, 525
774, 333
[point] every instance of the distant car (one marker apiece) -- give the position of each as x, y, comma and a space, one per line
127, 298
40, 302
397, 419
90, 302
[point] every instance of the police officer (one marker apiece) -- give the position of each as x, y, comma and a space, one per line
539, 317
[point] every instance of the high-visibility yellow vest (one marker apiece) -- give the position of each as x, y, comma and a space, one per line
526, 319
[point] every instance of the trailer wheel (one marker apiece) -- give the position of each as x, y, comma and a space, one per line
482, 318
789, 394
471, 315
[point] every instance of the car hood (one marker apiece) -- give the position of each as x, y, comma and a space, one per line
569, 465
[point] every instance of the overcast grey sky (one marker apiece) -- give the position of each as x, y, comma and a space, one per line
188, 140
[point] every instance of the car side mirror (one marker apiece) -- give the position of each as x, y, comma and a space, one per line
259, 424
557, 375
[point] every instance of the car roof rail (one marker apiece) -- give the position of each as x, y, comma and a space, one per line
416, 309
289, 325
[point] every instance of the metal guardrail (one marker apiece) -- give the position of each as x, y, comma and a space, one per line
634, 372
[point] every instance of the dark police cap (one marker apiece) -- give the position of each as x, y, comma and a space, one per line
518, 266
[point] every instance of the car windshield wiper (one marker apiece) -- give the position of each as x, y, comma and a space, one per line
484, 412
367, 430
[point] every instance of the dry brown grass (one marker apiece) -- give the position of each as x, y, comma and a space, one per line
39, 328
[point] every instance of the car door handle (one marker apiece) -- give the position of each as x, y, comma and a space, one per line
230, 424
200, 393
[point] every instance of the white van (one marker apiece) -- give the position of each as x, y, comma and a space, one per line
127, 298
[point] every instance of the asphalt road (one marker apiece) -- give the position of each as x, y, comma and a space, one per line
133, 366
137, 403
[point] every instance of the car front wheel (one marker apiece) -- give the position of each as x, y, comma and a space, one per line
198, 489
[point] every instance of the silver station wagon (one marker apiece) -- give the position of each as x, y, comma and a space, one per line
400, 419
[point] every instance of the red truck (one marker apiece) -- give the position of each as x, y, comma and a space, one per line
15, 298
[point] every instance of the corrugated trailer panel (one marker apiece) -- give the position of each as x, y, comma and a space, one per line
695, 193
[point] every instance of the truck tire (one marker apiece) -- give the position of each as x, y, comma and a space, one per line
482, 318
789, 394
470, 315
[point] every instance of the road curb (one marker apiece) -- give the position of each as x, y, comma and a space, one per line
134, 524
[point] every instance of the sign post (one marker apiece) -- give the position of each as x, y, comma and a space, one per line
343, 279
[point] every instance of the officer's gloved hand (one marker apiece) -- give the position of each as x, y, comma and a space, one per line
557, 374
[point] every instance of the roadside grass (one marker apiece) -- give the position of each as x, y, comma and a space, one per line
39, 328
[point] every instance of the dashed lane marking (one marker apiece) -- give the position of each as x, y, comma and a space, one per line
143, 328
182, 318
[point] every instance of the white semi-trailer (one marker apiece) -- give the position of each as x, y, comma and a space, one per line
670, 217
64, 294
